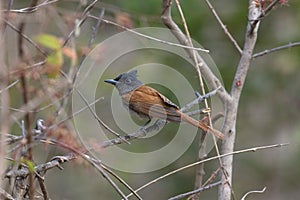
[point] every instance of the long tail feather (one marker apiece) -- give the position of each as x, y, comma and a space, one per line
201, 125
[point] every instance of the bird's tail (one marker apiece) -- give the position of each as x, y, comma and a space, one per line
202, 126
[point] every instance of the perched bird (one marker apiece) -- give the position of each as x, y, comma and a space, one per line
148, 103
39, 126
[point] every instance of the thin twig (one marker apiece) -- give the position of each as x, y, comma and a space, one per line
10, 85
180, 196
150, 37
32, 9
254, 149
199, 99
122, 181
254, 191
28, 39
84, 16
91, 161
30, 67
43, 187
96, 27
137, 134
209, 76
199, 65
77, 112
224, 27
98, 119
56, 161
267, 51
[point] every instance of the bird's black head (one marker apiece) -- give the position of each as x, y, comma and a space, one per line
126, 82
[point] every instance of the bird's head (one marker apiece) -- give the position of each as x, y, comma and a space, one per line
125, 82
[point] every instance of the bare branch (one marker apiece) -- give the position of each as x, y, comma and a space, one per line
10, 85
180, 196
33, 8
43, 187
55, 162
267, 51
139, 133
199, 99
254, 12
122, 181
98, 119
150, 37
28, 39
211, 79
254, 149
223, 26
96, 27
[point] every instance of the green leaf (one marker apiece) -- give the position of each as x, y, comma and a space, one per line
54, 64
30, 165
55, 58
49, 41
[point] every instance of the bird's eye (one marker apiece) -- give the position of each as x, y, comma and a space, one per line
128, 80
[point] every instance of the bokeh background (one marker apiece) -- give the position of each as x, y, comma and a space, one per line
268, 111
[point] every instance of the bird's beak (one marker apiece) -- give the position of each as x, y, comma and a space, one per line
111, 81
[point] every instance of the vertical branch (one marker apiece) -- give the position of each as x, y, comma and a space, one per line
229, 128
25, 99
4, 114
200, 168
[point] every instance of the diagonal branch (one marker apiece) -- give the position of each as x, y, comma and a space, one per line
209, 76
180, 196
149, 37
267, 51
254, 149
223, 26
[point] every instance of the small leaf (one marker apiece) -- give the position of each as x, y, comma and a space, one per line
49, 41
54, 64
30, 165
55, 58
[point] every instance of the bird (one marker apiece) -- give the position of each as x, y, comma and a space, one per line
148, 103
39, 127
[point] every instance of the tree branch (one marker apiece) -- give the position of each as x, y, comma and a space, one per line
223, 26
211, 79
267, 51
231, 110
254, 149
180, 196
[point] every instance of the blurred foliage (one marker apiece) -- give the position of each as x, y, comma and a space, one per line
269, 107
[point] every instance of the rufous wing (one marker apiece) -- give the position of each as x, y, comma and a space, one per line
148, 101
